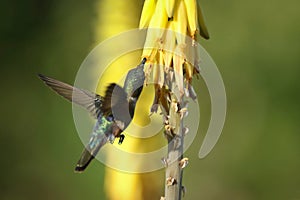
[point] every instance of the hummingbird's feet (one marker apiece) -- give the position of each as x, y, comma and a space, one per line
122, 136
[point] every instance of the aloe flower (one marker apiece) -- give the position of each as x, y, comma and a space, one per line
183, 19
168, 23
172, 61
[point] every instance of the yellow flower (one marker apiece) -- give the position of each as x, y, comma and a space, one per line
172, 60
169, 22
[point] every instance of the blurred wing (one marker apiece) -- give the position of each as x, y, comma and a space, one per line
91, 101
115, 97
115, 103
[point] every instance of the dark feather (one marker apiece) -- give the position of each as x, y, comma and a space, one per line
84, 161
91, 101
115, 96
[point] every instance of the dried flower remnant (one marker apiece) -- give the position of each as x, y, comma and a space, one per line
171, 181
183, 162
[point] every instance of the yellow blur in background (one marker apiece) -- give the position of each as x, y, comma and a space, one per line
113, 19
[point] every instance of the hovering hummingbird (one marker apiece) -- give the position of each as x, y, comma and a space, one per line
113, 112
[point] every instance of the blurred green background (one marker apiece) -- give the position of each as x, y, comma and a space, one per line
256, 47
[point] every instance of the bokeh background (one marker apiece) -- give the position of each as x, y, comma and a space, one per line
256, 47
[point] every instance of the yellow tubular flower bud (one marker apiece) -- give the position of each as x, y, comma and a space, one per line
181, 22
160, 17
170, 4
148, 10
150, 45
203, 30
169, 45
156, 28
191, 16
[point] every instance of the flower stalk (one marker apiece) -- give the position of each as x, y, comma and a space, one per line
172, 61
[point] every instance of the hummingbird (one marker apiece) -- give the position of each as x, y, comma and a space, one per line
113, 111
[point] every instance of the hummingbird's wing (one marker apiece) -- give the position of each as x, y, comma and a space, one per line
115, 96
115, 104
89, 100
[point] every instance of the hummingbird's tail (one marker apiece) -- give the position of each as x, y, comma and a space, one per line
84, 161
90, 151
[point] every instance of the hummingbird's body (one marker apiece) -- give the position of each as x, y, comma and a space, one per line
113, 112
